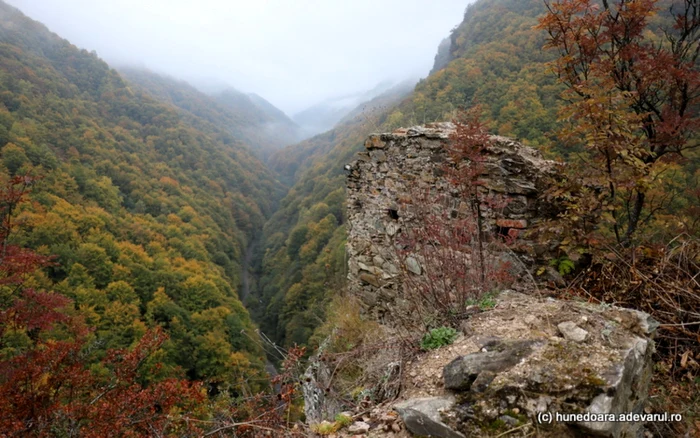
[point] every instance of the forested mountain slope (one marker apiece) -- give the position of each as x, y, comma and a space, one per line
304, 252
495, 59
147, 210
303, 259
266, 125
247, 117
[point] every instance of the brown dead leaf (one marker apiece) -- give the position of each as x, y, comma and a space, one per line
684, 359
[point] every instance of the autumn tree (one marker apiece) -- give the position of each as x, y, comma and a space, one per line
50, 382
135, 192
633, 89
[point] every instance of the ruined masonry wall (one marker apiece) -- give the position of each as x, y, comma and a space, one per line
378, 203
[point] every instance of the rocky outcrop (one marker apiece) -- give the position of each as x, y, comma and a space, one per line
425, 416
443, 56
393, 166
317, 406
514, 365
476, 371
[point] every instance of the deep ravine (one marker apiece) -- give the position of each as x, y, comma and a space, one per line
245, 268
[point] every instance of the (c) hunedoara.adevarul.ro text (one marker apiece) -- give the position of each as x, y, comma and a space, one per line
632, 417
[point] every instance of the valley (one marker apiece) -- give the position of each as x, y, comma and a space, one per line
188, 245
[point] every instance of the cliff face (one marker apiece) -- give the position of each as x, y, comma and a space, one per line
443, 56
511, 365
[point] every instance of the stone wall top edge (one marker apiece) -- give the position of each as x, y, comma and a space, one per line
394, 142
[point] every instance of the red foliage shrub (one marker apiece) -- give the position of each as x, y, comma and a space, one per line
459, 260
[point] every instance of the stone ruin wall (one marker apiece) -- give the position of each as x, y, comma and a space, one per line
379, 202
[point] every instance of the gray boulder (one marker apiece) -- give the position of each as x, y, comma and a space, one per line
424, 416
464, 371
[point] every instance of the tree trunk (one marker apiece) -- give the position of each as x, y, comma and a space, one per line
634, 216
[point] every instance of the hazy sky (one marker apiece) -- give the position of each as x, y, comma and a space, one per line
292, 52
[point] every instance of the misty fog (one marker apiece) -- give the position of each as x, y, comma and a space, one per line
294, 53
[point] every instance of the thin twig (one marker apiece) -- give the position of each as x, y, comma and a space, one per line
513, 430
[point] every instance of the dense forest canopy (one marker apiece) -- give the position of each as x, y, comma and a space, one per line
247, 117
147, 210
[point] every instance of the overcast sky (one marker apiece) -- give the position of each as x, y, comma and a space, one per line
292, 52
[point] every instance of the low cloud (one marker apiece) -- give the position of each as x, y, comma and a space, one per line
292, 52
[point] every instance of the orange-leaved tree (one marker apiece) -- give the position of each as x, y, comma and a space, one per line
50, 385
633, 91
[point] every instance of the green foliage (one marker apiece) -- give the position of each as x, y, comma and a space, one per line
122, 291
247, 117
343, 420
300, 276
563, 264
13, 157
486, 302
330, 428
438, 337
296, 238
496, 62
325, 428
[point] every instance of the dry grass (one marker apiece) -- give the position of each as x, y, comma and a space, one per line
365, 358
664, 282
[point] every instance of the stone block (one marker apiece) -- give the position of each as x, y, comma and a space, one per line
512, 223
375, 142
